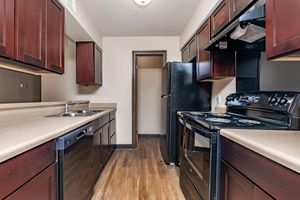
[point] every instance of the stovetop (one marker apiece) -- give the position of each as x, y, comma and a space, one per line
217, 121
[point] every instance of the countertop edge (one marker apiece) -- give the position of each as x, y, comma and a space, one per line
26, 146
272, 154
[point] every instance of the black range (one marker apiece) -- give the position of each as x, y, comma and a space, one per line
200, 147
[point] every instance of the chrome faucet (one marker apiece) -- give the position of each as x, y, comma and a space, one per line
71, 104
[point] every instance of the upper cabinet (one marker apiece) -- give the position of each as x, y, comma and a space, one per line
282, 29
88, 63
30, 32
237, 6
189, 52
34, 31
220, 17
212, 65
55, 36
7, 28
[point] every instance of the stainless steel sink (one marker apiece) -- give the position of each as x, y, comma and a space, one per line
78, 113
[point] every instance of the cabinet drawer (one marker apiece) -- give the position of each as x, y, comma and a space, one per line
43, 186
220, 18
20, 169
112, 115
105, 119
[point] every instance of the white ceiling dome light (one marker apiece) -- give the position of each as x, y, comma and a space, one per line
143, 3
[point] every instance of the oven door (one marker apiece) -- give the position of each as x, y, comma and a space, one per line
199, 158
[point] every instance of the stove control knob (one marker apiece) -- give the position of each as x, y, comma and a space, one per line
283, 101
273, 99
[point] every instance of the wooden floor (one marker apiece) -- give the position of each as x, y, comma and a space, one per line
139, 174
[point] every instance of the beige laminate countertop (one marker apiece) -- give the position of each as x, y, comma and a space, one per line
281, 146
19, 137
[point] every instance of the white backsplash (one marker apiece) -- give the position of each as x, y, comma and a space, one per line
220, 90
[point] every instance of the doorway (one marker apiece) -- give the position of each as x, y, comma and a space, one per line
146, 87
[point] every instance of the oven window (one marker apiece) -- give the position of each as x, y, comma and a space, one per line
198, 155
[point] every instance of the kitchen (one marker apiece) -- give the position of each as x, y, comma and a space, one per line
67, 115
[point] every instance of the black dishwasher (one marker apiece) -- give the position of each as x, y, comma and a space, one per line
78, 163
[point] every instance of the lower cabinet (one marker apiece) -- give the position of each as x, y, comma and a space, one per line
30, 175
235, 186
247, 175
105, 143
42, 186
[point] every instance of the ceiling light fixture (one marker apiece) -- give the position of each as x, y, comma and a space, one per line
142, 3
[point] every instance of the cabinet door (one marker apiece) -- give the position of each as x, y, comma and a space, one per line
193, 48
203, 58
55, 36
282, 27
105, 143
185, 54
30, 32
98, 65
220, 18
237, 6
235, 186
7, 28
42, 186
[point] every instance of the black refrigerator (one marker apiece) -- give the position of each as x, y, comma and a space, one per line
180, 92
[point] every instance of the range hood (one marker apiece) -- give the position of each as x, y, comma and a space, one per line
248, 28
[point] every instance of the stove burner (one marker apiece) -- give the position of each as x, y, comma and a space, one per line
220, 115
218, 120
250, 122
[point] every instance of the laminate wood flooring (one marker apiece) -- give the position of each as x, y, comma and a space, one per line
139, 174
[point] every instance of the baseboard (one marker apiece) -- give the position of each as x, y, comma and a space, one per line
149, 135
124, 146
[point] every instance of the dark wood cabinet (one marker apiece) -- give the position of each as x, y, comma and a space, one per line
212, 64
193, 48
30, 32
88, 64
20, 171
105, 143
244, 172
189, 52
237, 6
55, 36
282, 29
235, 186
42, 186
185, 54
7, 28
220, 17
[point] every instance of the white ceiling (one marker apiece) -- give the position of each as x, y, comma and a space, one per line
124, 18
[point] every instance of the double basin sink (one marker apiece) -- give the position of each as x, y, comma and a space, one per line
77, 113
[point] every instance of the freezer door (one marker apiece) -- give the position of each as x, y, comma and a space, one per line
164, 137
165, 80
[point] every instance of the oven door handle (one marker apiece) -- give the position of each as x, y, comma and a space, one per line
199, 130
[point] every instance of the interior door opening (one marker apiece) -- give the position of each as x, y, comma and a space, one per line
147, 86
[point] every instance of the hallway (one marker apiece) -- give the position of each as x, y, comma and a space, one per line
139, 174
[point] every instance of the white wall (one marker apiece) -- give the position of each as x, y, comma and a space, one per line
149, 101
203, 10
117, 76
277, 75
220, 90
